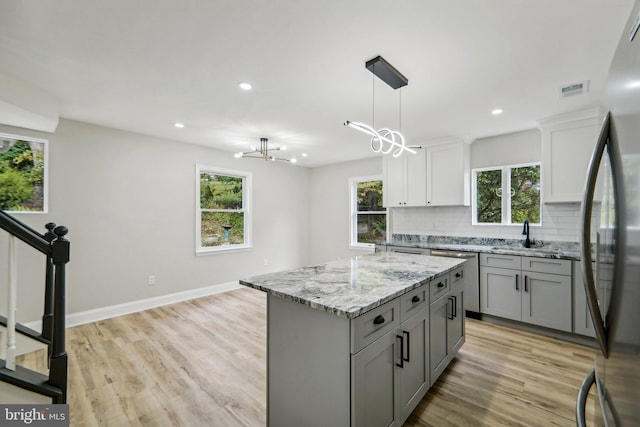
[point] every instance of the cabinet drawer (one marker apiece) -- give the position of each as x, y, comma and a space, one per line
439, 286
547, 265
412, 302
373, 324
457, 277
500, 261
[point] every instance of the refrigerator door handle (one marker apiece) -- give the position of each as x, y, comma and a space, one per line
585, 238
583, 393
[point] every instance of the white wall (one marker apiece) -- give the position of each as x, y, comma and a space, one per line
560, 222
329, 208
129, 203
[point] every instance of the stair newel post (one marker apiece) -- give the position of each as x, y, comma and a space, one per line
47, 316
58, 359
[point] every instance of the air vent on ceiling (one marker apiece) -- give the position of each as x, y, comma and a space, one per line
574, 89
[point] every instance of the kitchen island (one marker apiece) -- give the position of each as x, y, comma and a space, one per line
359, 341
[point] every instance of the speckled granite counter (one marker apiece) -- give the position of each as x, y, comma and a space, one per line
549, 249
351, 287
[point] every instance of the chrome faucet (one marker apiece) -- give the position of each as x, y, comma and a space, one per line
525, 232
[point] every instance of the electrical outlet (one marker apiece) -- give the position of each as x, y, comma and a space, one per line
151, 280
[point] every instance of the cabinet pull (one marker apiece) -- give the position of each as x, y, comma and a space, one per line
450, 316
459, 274
408, 346
440, 285
401, 364
517, 288
379, 320
415, 298
455, 306
526, 288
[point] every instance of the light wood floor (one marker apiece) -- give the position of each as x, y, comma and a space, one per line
203, 363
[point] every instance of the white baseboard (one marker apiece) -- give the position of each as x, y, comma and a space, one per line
88, 316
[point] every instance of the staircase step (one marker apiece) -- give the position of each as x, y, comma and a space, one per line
28, 380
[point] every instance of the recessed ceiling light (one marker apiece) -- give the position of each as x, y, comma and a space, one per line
497, 111
634, 84
294, 160
179, 125
244, 86
304, 154
283, 148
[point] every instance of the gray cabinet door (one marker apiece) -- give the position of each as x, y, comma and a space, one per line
438, 345
414, 373
546, 300
455, 327
500, 292
374, 382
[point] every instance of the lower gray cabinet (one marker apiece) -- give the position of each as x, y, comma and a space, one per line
414, 367
446, 322
374, 381
540, 293
391, 376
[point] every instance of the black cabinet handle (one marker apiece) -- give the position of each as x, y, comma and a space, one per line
526, 288
450, 316
440, 284
401, 364
517, 289
459, 274
415, 298
455, 306
379, 320
408, 345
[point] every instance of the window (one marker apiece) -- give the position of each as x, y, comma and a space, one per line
368, 217
507, 195
23, 174
222, 212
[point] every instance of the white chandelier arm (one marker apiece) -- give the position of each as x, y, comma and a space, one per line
376, 135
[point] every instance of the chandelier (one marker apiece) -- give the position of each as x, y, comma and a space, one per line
263, 152
385, 140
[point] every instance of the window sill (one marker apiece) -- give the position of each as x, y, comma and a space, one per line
223, 250
367, 248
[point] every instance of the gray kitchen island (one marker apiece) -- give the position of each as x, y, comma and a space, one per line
359, 341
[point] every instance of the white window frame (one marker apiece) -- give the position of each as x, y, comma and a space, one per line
506, 201
246, 209
353, 211
45, 172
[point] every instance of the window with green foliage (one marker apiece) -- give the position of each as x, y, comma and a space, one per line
23, 184
368, 217
222, 214
507, 195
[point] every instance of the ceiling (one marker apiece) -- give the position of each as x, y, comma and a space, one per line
141, 65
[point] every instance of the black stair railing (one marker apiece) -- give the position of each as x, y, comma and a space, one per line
54, 245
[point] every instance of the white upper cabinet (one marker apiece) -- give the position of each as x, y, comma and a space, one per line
404, 180
448, 174
436, 175
567, 144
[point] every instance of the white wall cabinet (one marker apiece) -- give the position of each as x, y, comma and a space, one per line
448, 174
528, 289
567, 144
437, 175
405, 180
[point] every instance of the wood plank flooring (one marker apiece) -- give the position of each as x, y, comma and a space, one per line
203, 363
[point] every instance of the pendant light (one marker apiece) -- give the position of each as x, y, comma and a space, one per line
385, 140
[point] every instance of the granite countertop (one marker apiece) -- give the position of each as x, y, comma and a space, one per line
351, 287
549, 249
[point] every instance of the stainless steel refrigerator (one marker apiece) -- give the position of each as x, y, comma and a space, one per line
610, 244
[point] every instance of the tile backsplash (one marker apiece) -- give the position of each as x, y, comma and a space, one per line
560, 222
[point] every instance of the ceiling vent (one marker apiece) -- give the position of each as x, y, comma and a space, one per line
574, 89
